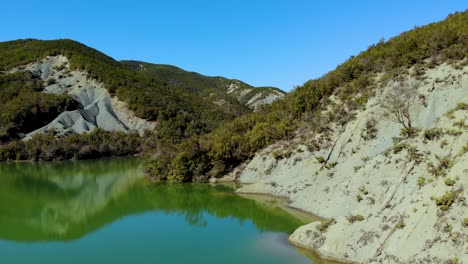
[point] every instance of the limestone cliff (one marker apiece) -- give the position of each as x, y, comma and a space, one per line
392, 195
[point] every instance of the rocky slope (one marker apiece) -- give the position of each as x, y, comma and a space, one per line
97, 108
390, 197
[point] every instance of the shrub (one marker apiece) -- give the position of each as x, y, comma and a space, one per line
421, 181
51, 81
409, 132
449, 181
398, 148
401, 224
321, 159
465, 222
323, 226
353, 218
463, 150
370, 132
445, 201
278, 155
444, 164
433, 133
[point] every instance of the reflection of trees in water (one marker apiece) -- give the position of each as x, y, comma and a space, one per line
68, 194
68, 206
196, 218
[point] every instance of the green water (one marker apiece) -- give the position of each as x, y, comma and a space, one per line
105, 212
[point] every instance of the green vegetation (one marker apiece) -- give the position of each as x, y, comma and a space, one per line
180, 112
24, 107
371, 131
278, 155
463, 150
148, 97
445, 164
353, 218
110, 190
96, 144
212, 88
421, 181
401, 224
445, 201
449, 181
465, 222
433, 133
410, 132
323, 226
214, 154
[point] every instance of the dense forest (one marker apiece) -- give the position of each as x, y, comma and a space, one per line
353, 82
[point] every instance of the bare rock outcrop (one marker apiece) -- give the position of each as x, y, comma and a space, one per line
98, 108
393, 198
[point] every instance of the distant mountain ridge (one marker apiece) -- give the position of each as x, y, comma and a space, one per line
216, 86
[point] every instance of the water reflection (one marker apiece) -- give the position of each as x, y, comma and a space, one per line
66, 201
104, 211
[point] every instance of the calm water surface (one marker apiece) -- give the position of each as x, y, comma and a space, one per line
104, 212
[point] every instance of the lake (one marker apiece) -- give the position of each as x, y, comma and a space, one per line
104, 211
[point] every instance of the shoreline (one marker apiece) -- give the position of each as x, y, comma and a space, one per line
299, 214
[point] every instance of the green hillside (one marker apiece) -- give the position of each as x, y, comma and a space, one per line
180, 112
352, 82
212, 88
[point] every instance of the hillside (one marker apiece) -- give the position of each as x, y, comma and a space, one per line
65, 88
217, 89
377, 147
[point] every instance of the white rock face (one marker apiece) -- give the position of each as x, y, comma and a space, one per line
99, 109
261, 98
393, 191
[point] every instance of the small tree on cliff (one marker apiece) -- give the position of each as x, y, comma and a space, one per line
398, 101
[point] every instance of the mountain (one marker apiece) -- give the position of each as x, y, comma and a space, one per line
65, 88
377, 148
211, 87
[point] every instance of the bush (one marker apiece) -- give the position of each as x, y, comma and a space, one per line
421, 181
433, 133
95, 144
445, 164
445, 201
278, 155
353, 218
401, 224
51, 81
465, 222
409, 132
323, 226
371, 131
449, 181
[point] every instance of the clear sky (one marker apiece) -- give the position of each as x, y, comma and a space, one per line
279, 43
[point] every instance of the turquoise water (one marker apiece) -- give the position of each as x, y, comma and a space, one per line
104, 212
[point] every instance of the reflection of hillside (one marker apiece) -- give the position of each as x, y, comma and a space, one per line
48, 200
66, 201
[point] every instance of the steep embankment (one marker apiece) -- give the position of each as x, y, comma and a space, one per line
393, 197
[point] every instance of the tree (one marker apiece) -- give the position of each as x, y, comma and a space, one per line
398, 101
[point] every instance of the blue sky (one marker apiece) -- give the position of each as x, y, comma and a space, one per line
279, 43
